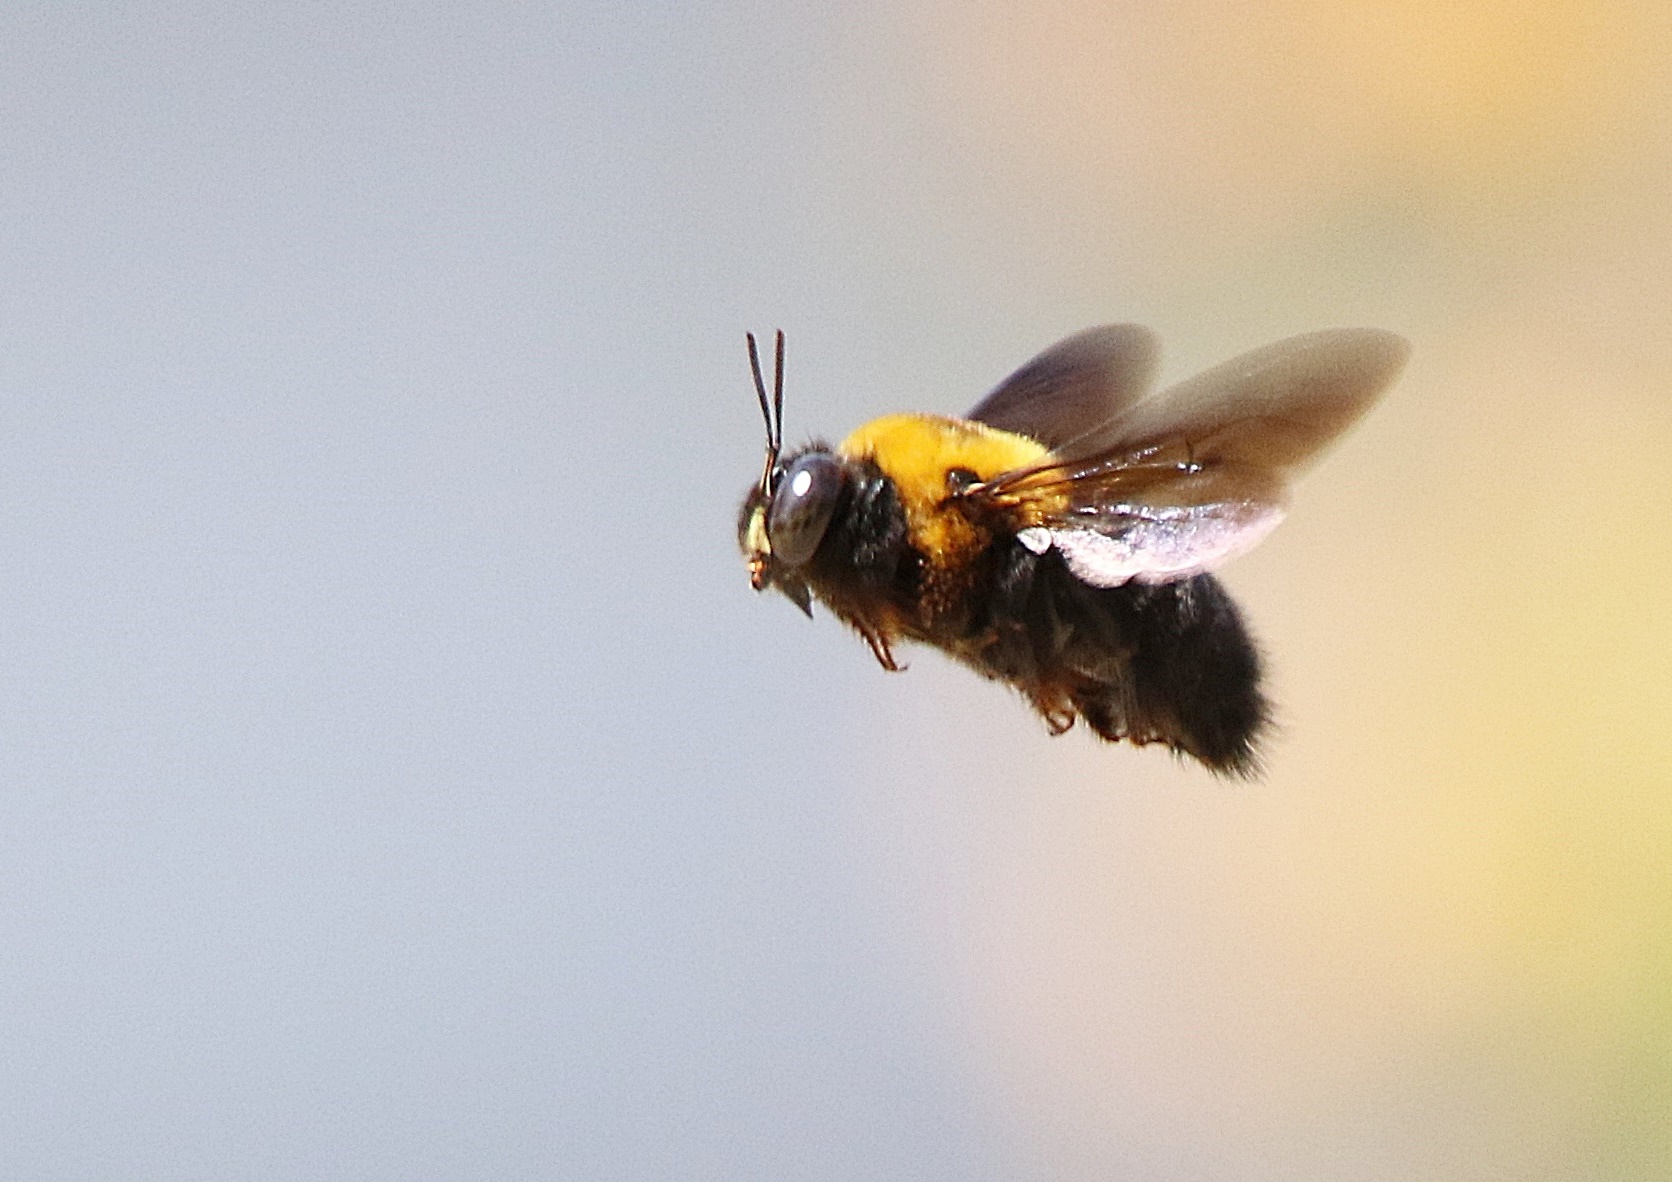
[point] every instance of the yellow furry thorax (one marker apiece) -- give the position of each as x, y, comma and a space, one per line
916, 451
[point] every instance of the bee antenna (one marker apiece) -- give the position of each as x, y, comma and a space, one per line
778, 393
772, 411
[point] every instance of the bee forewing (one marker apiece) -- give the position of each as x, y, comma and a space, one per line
1064, 396
1198, 474
1276, 407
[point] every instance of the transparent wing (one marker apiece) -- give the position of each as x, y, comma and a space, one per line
1064, 396
1199, 473
1276, 407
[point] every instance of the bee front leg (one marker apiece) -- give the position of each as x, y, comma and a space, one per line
880, 650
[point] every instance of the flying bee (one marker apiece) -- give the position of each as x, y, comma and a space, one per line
1059, 537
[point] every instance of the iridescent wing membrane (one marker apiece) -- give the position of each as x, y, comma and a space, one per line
1161, 488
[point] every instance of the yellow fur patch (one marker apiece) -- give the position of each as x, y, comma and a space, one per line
917, 451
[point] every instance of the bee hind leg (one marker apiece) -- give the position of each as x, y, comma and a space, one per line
1056, 709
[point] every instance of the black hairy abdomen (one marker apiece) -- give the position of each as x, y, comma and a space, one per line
1169, 662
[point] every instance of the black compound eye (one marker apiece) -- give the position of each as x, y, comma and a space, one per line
802, 505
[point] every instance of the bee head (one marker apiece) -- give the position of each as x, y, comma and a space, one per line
786, 514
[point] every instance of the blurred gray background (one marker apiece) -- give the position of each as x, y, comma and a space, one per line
398, 779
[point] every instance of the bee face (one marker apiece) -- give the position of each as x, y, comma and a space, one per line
751, 536
783, 525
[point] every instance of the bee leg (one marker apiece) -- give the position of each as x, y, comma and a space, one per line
1057, 711
880, 650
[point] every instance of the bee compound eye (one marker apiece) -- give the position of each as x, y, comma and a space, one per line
802, 505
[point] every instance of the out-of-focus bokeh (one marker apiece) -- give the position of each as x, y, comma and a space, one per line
398, 779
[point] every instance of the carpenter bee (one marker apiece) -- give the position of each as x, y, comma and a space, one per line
1058, 538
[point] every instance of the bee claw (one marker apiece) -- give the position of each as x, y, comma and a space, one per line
881, 651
